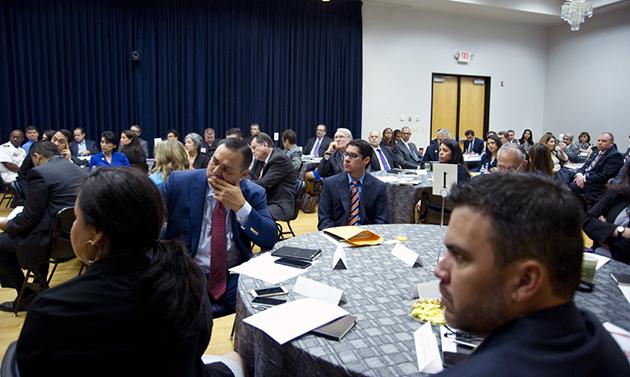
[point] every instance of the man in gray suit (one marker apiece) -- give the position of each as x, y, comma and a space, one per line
51, 185
407, 152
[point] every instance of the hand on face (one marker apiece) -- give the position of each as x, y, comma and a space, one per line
228, 194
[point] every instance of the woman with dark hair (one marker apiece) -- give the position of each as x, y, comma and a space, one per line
527, 139
388, 138
289, 143
540, 160
607, 222
107, 157
584, 145
397, 136
130, 146
48, 134
172, 135
558, 156
489, 158
142, 306
196, 159
451, 153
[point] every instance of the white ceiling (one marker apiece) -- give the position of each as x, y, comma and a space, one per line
536, 12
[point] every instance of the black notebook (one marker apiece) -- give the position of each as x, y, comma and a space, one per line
336, 329
308, 255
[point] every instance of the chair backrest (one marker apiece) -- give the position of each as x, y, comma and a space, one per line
60, 245
9, 364
299, 195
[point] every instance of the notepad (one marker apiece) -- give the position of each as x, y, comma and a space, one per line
336, 329
290, 252
355, 236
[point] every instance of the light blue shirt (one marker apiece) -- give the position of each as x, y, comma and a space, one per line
360, 179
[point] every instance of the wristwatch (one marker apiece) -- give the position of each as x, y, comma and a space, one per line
620, 230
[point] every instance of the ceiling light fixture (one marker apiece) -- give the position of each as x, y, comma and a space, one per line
574, 11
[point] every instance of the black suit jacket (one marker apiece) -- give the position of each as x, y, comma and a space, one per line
432, 153
596, 179
334, 202
375, 163
89, 144
477, 145
407, 159
49, 188
609, 206
332, 166
209, 149
278, 180
310, 143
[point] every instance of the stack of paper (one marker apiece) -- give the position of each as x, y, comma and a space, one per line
263, 267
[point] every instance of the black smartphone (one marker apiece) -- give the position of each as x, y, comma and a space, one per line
267, 301
267, 292
293, 263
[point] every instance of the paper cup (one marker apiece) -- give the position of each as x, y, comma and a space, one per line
589, 262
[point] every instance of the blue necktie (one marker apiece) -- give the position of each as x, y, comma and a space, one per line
315, 150
384, 163
354, 203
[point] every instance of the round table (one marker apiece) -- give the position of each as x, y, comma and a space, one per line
379, 290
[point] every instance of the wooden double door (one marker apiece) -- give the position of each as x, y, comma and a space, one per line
460, 103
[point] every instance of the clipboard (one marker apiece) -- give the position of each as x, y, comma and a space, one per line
355, 236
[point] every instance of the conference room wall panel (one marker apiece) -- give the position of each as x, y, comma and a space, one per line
203, 63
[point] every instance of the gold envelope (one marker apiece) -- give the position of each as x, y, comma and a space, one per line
355, 236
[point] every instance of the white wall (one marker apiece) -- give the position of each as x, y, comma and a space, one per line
588, 77
402, 47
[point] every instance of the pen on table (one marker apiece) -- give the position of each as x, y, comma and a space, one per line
465, 344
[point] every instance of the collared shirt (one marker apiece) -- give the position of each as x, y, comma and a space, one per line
81, 147
360, 179
378, 157
12, 154
202, 258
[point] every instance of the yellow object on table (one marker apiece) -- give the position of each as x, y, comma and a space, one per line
429, 310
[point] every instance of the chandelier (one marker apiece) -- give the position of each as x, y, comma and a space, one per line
574, 11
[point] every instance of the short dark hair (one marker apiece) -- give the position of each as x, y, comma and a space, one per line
264, 138
456, 151
174, 132
234, 131
48, 133
109, 137
66, 133
365, 148
469, 132
290, 136
588, 136
80, 129
30, 128
241, 147
137, 126
44, 148
494, 137
530, 217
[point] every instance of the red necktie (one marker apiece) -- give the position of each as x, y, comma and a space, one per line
218, 253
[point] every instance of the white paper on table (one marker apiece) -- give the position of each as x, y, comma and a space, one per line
263, 268
339, 255
447, 343
15, 212
387, 178
430, 289
625, 289
294, 318
621, 336
409, 257
601, 260
429, 359
314, 289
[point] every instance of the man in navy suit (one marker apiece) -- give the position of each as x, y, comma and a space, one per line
193, 199
81, 146
472, 144
407, 152
316, 146
510, 272
433, 149
335, 202
383, 158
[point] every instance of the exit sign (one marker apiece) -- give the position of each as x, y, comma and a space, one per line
463, 56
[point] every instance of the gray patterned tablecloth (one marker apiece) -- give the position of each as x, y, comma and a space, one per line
379, 290
402, 198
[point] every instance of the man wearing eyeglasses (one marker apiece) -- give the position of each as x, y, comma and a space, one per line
353, 197
511, 158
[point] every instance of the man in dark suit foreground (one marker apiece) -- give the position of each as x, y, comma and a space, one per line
217, 213
274, 172
353, 197
512, 278
50, 186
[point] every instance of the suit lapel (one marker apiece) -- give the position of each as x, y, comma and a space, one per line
197, 202
345, 195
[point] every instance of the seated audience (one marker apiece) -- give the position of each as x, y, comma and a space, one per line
170, 156
48, 134
585, 146
406, 153
143, 143
11, 156
590, 180
50, 186
606, 222
130, 147
433, 149
512, 158
571, 150
196, 159
502, 137
472, 144
509, 136
450, 153
558, 156
32, 136
353, 197
489, 159
510, 272
141, 308
540, 160
62, 140
210, 142
332, 162
219, 214
293, 152
107, 157
254, 130
172, 135
397, 136
273, 171
234, 133
383, 158
82, 146
316, 146
388, 139
527, 139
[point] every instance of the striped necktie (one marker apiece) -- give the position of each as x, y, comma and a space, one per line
354, 203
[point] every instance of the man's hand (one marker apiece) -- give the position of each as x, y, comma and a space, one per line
66, 154
3, 222
230, 195
579, 181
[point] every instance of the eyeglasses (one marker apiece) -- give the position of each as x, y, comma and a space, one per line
505, 169
352, 156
